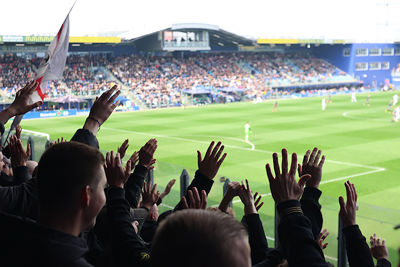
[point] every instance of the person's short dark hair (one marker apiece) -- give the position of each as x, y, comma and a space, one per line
64, 170
196, 238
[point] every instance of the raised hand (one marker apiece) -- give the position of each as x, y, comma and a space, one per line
101, 109
149, 195
62, 140
134, 159
115, 173
232, 191
378, 248
146, 154
167, 189
322, 236
122, 149
348, 210
312, 166
209, 166
19, 156
284, 186
132, 163
18, 131
21, 105
195, 201
247, 198
257, 199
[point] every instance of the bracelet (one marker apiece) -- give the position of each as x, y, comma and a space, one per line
93, 119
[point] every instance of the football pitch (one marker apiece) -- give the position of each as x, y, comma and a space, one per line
360, 143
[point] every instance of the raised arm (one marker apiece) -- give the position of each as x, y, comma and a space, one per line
379, 251
251, 219
356, 245
231, 192
127, 247
20, 105
134, 185
19, 159
312, 165
22, 199
295, 231
208, 169
99, 113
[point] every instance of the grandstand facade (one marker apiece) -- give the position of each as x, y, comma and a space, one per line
199, 64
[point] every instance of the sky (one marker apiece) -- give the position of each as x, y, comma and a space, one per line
357, 20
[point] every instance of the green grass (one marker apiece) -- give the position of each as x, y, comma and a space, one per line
364, 144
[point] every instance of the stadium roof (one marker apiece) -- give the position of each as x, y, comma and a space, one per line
218, 36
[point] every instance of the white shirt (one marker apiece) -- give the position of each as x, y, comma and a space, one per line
247, 127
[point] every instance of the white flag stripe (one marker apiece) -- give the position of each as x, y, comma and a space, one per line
52, 66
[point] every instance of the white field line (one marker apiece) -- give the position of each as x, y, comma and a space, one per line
330, 258
346, 115
234, 147
327, 181
167, 206
37, 133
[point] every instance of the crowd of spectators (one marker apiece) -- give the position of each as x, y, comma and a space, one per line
14, 73
83, 74
160, 81
76, 207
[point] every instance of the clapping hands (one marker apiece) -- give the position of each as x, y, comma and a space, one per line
115, 173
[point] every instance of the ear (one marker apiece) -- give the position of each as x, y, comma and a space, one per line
85, 196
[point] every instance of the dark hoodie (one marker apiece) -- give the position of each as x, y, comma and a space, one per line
26, 243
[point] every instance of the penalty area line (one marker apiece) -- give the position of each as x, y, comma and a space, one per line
231, 146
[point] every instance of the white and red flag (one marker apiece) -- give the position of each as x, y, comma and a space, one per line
52, 66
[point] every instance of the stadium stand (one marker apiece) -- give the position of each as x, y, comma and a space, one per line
162, 81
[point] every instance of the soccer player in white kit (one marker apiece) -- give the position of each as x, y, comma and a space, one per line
323, 103
395, 99
353, 97
396, 114
247, 130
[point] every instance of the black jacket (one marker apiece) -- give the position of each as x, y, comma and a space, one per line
134, 185
22, 200
312, 209
297, 241
261, 255
358, 252
201, 182
127, 247
25, 243
20, 175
